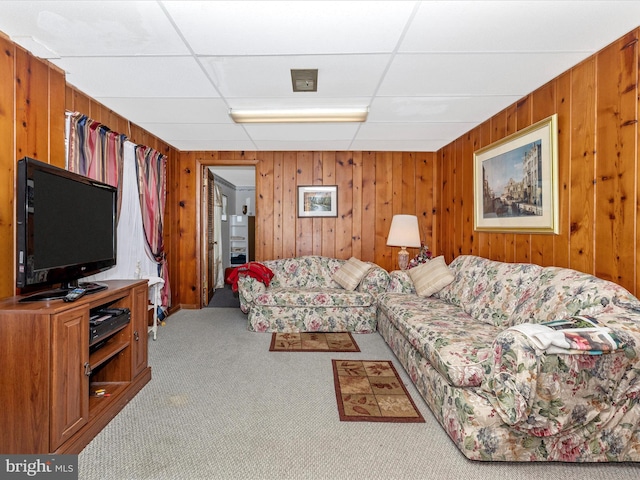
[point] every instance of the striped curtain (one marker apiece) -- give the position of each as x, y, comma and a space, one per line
152, 185
95, 151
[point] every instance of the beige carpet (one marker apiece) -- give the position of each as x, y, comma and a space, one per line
371, 391
313, 342
220, 406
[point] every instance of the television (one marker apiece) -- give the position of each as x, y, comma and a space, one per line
65, 230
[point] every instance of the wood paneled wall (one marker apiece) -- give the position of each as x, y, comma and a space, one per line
30, 90
599, 195
33, 99
596, 102
77, 101
372, 187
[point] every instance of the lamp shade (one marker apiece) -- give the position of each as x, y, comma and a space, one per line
404, 231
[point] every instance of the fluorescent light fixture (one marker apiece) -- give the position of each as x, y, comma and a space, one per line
298, 115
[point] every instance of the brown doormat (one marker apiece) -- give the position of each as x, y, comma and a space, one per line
372, 391
313, 342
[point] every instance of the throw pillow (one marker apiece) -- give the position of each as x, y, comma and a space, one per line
351, 273
431, 277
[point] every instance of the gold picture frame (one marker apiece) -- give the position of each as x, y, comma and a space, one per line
516, 181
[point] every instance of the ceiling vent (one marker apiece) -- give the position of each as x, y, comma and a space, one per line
304, 80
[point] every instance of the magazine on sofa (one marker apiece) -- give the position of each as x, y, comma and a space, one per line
579, 334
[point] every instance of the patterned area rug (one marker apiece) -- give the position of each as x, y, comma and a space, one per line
313, 342
372, 391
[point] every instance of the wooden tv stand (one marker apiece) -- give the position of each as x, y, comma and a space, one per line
48, 376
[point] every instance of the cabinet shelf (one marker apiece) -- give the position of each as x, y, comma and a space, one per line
98, 404
238, 244
49, 343
114, 345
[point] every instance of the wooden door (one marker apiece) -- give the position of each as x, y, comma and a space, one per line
25, 361
208, 258
69, 375
139, 319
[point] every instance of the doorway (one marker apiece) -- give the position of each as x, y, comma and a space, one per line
234, 187
211, 243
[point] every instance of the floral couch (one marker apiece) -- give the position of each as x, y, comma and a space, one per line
304, 296
496, 392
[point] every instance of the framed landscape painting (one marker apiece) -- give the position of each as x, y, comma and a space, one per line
318, 201
516, 181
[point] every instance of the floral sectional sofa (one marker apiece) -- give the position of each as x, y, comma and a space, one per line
314, 293
499, 394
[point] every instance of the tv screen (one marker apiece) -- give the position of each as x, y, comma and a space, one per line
66, 228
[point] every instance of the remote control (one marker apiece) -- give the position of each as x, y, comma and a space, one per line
74, 294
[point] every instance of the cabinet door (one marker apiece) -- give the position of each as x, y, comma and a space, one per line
24, 382
69, 374
139, 325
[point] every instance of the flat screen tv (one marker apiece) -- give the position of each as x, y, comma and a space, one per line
65, 230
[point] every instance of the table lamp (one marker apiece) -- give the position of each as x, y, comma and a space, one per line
404, 233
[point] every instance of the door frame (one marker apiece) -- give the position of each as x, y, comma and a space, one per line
201, 164
208, 290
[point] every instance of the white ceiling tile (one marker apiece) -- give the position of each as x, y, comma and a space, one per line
270, 76
169, 110
298, 101
211, 145
387, 145
137, 76
195, 131
473, 74
413, 131
437, 109
303, 145
518, 26
426, 70
94, 28
304, 131
294, 27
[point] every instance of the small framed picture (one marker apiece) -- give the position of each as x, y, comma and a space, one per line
317, 201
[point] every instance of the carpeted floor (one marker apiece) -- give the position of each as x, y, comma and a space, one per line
221, 406
224, 298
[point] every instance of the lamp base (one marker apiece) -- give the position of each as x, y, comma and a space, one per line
403, 258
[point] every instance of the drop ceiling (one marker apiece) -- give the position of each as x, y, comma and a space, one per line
428, 71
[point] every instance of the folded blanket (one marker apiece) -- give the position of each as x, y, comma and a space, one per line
575, 335
252, 269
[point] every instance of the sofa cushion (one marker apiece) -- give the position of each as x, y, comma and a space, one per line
303, 297
489, 290
304, 272
400, 282
548, 394
562, 292
351, 273
431, 277
457, 291
453, 343
499, 289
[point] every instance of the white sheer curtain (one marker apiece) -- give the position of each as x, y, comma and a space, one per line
217, 237
133, 261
